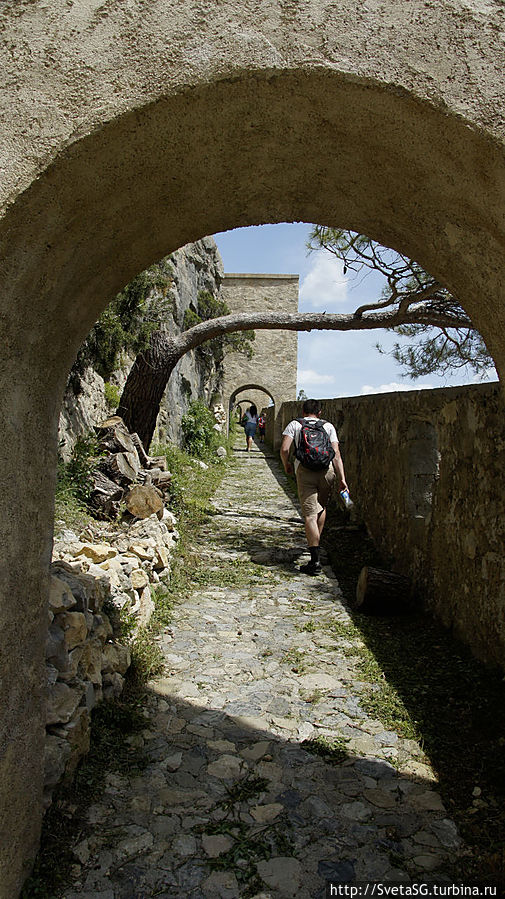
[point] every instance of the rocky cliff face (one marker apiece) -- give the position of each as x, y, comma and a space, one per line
195, 267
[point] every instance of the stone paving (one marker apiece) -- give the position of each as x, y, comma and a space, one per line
234, 801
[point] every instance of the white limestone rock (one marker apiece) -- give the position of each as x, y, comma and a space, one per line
97, 552
115, 657
60, 596
75, 629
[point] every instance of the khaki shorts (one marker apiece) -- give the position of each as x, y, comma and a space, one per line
314, 488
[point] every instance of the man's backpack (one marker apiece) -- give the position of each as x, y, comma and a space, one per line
314, 449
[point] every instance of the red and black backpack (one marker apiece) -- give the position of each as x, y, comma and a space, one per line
314, 449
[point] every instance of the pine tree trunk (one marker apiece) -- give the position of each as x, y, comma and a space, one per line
145, 386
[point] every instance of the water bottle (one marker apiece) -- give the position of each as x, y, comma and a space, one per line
346, 499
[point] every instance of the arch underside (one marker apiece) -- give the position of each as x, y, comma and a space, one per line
256, 387
311, 146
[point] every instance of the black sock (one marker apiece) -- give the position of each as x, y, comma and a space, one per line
314, 553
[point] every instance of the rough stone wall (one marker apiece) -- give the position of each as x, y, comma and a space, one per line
197, 266
84, 664
427, 469
274, 364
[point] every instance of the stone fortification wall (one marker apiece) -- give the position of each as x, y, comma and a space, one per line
196, 266
427, 469
273, 366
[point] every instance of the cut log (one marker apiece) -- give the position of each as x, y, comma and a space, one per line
160, 478
115, 440
105, 494
382, 592
114, 421
122, 467
143, 501
157, 462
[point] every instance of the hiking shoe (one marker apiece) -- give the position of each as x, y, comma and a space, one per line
311, 568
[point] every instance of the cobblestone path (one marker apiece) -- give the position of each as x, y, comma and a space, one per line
236, 801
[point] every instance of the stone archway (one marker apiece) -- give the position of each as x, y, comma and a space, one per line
129, 130
260, 396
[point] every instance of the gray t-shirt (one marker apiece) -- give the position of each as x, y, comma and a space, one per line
293, 430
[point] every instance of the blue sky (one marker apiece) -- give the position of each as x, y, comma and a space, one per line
329, 363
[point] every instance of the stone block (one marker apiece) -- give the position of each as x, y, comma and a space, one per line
115, 657
74, 627
56, 754
90, 665
112, 685
60, 596
146, 607
139, 579
97, 552
62, 702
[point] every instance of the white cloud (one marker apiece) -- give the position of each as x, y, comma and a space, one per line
324, 284
393, 387
308, 376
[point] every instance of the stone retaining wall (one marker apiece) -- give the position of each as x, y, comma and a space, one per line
427, 470
84, 665
98, 571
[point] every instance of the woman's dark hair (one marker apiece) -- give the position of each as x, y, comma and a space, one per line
312, 407
253, 410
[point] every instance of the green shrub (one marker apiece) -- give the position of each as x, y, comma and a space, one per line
200, 438
73, 484
112, 395
74, 475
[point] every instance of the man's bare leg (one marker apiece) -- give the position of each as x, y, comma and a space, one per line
312, 531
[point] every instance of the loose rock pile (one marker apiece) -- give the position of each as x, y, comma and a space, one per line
220, 416
115, 564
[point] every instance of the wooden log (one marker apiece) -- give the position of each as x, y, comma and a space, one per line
160, 478
105, 494
157, 462
143, 501
122, 467
116, 440
382, 592
114, 421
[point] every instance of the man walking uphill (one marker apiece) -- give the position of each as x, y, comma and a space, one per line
317, 463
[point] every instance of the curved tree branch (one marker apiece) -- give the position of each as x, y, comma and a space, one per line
151, 371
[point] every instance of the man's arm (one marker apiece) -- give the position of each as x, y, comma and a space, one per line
285, 448
338, 465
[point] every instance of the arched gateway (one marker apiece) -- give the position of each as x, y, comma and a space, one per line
129, 130
247, 394
275, 352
